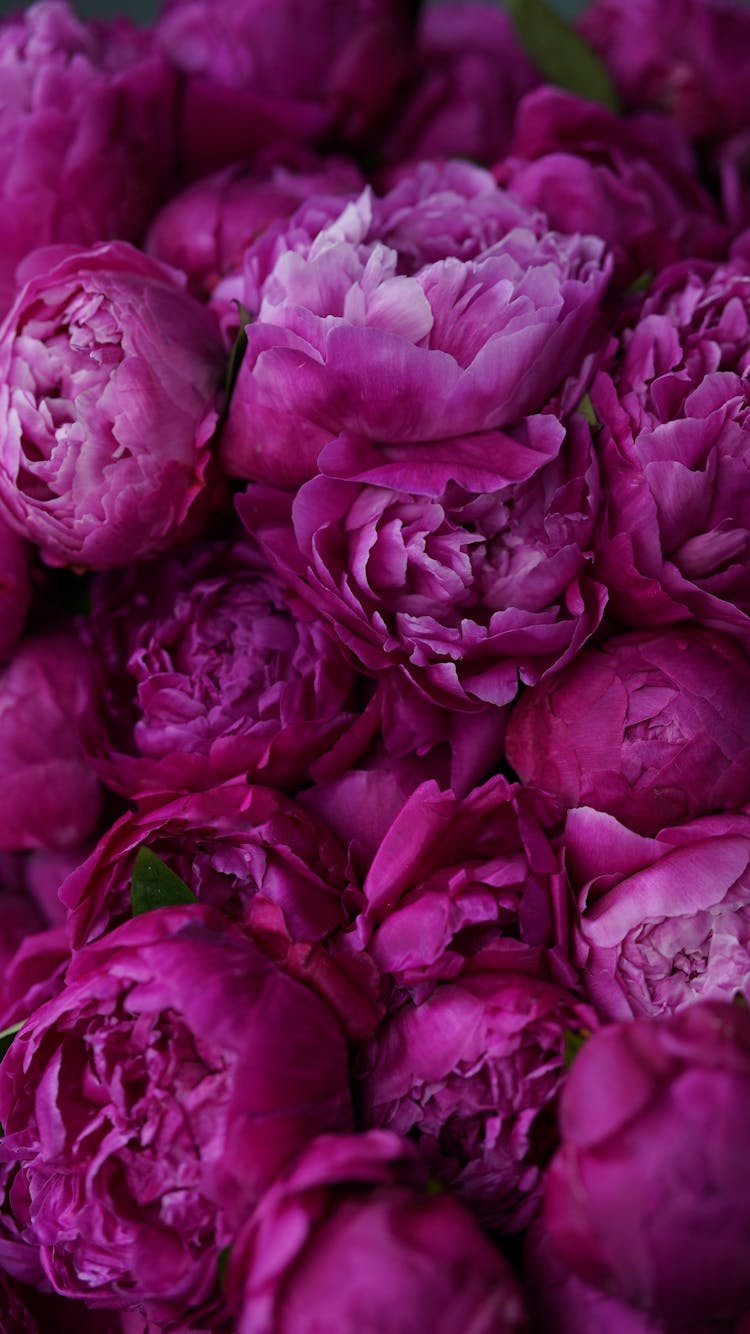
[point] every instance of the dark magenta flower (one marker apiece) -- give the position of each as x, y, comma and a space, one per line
648, 1197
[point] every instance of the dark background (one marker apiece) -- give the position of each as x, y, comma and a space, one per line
142, 11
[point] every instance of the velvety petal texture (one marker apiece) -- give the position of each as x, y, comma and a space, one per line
469, 75
87, 132
664, 1104
652, 728
15, 588
255, 74
675, 408
473, 1075
202, 673
109, 379
463, 564
687, 56
230, 845
147, 1107
463, 885
632, 182
205, 229
662, 921
349, 1238
51, 795
348, 341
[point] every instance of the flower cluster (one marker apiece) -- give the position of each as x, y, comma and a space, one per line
375, 669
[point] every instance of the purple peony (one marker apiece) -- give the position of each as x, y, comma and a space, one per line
147, 1107
51, 795
467, 885
653, 728
686, 57
88, 123
346, 340
255, 857
256, 74
469, 76
561, 1303
675, 409
349, 1238
473, 1075
202, 673
464, 565
648, 1197
206, 228
34, 974
662, 921
15, 589
230, 845
632, 182
109, 379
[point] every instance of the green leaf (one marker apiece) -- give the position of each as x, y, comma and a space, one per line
575, 1038
155, 886
641, 283
586, 409
239, 348
559, 53
222, 1266
7, 1035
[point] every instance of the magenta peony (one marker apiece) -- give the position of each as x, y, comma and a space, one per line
147, 1107
87, 140
688, 57
648, 1197
469, 76
674, 409
630, 725
202, 673
633, 182
346, 340
206, 228
466, 885
662, 921
109, 379
256, 74
473, 1075
15, 589
51, 795
348, 1238
463, 564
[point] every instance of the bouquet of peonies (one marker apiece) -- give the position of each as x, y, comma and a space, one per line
375, 675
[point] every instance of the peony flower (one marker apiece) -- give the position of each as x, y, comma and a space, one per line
462, 565
633, 182
561, 1303
674, 412
87, 112
469, 76
473, 1075
34, 974
467, 885
345, 340
688, 57
662, 921
206, 228
229, 844
651, 727
148, 1106
255, 76
15, 590
202, 673
345, 1239
648, 1197
51, 795
257, 858
109, 375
